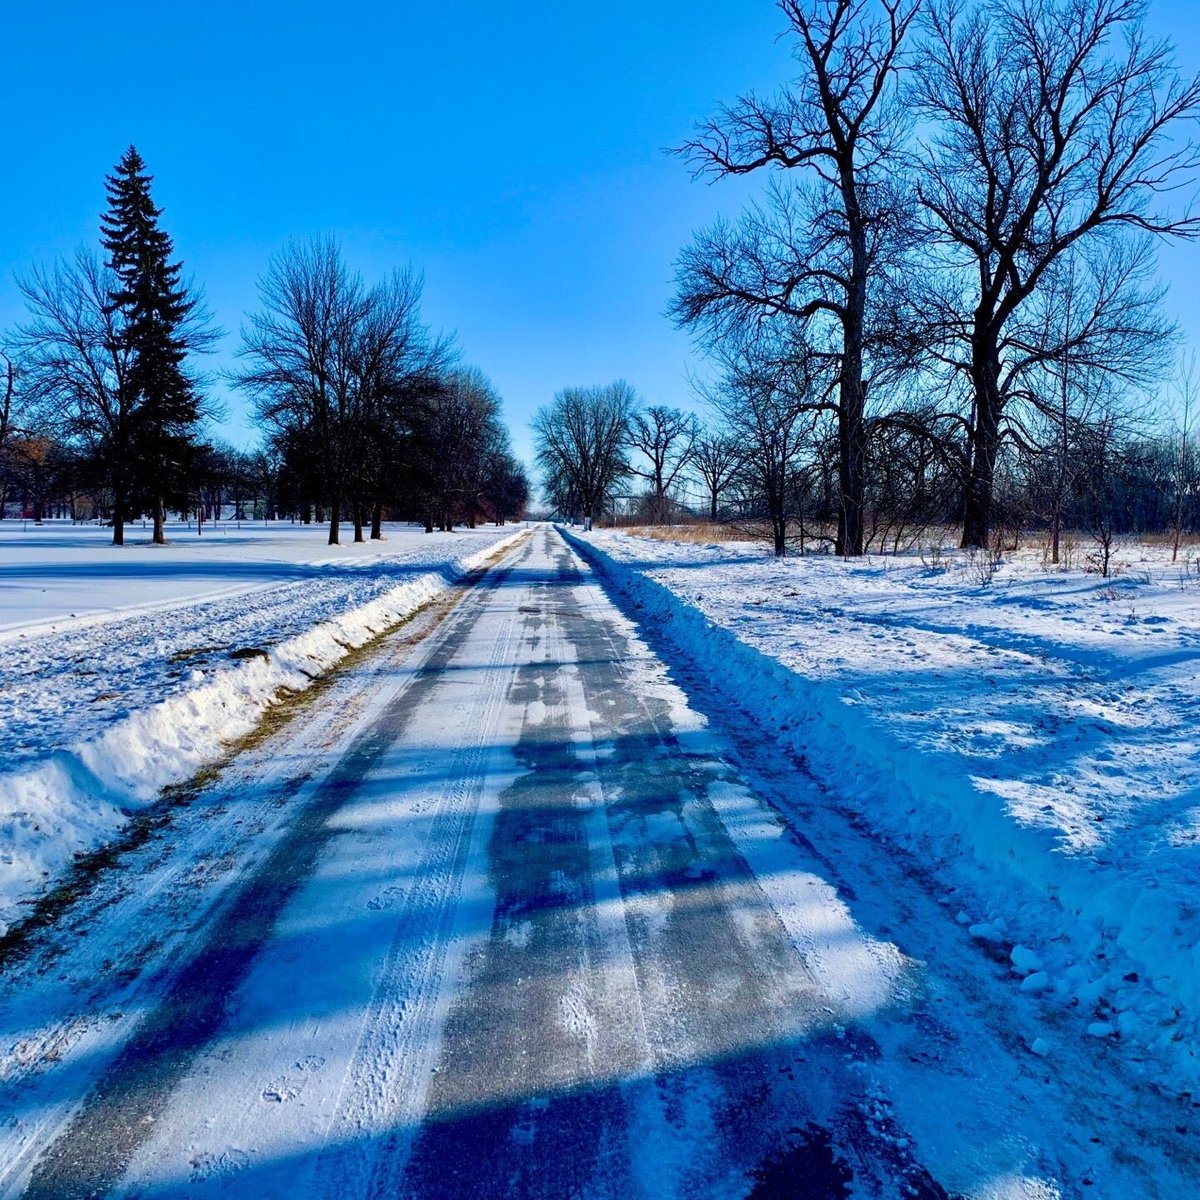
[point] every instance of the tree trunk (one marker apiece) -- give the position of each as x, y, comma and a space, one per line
1181, 484
851, 446
118, 519
985, 445
852, 441
713, 506
377, 522
429, 522
357, 509
777, 513
160, 537
335, 510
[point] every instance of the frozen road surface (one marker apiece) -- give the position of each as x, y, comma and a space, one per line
503, 912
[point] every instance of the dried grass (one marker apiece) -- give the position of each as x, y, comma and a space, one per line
698, 533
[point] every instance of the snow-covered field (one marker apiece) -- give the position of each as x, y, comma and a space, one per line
1033, 742
123, 670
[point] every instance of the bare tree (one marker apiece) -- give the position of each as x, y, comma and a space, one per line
911, 483
506, 488
1083, 348
7, 405
77, 373
765, 399
817, 258
299, 349
1046, 138
1184, 480
396, 369
1101, 451
460, 433
8, 425
716, 460
665, 437
580, 441
328, 361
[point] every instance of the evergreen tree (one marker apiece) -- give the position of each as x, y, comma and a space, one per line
160, 323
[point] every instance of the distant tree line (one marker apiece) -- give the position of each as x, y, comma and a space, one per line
363, 413
766, 465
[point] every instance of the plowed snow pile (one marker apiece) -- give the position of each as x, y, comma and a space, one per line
146, 661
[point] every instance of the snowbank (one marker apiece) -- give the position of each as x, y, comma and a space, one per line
1034, 741
71, 799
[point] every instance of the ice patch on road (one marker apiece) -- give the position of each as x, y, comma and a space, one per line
861, 974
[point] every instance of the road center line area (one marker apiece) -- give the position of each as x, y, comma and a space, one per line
503, 912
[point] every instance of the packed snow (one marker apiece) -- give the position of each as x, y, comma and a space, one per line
1031, 737
126, 669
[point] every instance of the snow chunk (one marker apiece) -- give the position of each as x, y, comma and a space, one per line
1025, 960
986, 931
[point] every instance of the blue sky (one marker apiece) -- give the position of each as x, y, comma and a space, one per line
512, 151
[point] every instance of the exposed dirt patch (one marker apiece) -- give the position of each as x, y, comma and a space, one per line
194, 652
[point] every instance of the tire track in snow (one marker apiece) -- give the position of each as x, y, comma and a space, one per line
383, 1093
117, 948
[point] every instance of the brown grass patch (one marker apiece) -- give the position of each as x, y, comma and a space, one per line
197, 652
700, 533
1188, 540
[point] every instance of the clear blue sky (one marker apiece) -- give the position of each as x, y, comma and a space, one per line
512, 151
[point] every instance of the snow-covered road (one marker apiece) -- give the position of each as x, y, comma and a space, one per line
504, 912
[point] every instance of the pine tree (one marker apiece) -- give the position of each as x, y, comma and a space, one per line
160, 325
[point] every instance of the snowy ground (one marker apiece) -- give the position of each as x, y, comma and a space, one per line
517, 909
1034, 741
120, 670
59, 574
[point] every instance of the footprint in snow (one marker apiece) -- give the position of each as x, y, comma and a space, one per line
227, 1162
385, 899
280, 1091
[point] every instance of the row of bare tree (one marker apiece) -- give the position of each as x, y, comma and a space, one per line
362, 409
954, 261
592, 442
365, 409
769, 465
